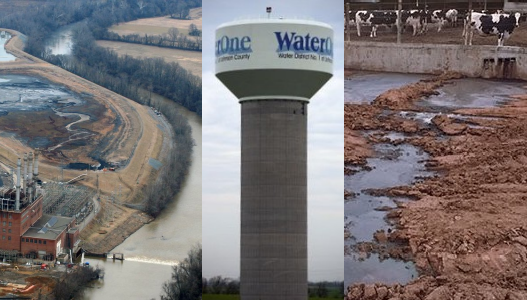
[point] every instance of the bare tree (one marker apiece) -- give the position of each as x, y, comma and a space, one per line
141, 4
173, 34
186, 283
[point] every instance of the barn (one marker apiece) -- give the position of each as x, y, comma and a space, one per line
460, 5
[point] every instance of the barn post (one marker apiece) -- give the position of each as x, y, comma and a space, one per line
347, 25
467, 22
399, 25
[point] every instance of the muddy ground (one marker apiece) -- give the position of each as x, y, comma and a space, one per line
466, 229
448, 35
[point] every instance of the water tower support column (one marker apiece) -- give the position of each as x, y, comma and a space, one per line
274, 199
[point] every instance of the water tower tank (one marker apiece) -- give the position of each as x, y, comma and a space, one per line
274, 66
274, 58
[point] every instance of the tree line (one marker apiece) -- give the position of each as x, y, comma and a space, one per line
165, 41
218, 285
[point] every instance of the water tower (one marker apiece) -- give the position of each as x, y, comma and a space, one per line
274, 66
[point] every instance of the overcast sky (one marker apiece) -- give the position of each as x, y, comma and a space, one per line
221, 148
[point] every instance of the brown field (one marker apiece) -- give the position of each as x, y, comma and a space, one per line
158, 25
190, 60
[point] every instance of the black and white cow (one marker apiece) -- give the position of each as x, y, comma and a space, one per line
375, 19
416, 19
451, 16
500, 24
442, 17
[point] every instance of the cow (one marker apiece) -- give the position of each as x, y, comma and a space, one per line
374, 19
441, 17
416, 19
487, 24
451, 16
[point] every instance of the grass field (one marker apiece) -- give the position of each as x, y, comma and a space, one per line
158, 25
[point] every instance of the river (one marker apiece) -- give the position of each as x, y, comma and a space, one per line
60, 41
4, 56
150, 252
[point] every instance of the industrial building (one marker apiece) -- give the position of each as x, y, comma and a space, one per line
26, 231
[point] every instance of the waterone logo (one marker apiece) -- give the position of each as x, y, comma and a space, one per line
304, 44
233, 45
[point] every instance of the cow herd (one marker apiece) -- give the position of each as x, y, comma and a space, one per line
484, 23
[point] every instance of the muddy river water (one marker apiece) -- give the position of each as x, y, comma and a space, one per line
152, 250
398, 165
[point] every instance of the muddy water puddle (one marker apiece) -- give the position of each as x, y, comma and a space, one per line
474, 92
392, 166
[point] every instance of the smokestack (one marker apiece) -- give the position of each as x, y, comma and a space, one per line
30, 177
30, 174
17, 203
25, 173
35, 172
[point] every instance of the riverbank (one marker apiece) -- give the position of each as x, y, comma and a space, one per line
465, 229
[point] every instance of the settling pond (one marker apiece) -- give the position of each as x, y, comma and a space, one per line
26, 101
402, 164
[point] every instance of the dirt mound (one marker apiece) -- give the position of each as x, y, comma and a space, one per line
404, 98
466, 231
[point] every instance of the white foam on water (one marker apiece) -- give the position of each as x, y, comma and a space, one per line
151, 260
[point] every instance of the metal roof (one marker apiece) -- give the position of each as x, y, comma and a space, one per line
42, 230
